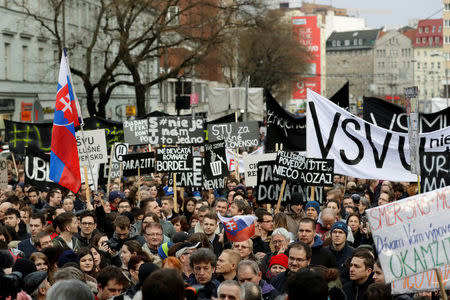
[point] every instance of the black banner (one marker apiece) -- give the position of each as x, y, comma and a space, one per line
306, 171
174, 159
393, 117
434, 170
342, 97
175, 130
236, 135
269, 186
284, 127
215, 169
133, 161
192, 179
38, 136
37, 169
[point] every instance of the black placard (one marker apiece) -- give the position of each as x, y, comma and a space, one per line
236, 135
434, 170
174, 159
192, 179
175, 131
306, 171
133, 161
37, 169
215, 169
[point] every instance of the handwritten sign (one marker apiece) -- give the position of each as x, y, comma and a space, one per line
412, 235
174, 159
3, 173
235, 135
295, 167
144, 161
192, 179
435, 170
216, 169
251, 166
94, 147
426, 281
136, 132
175, 130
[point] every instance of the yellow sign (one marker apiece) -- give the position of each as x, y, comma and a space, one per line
131, 110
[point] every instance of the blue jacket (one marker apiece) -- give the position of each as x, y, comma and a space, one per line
26, 247
341, 257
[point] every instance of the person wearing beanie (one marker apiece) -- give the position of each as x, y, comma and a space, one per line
339, 246
164, 249
312, 210
278, 264
295, 212
36, 285
24, 266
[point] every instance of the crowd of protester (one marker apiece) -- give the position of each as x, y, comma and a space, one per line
136, 243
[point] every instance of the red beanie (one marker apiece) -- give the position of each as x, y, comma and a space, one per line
280, 259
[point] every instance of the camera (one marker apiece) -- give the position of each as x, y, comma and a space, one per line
113, 245
11, 285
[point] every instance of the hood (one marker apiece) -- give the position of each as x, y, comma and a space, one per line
265, 287
317, 241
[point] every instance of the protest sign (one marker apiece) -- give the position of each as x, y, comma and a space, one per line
251, 166
94, 147
393, 117
37, 169
174, 159
412, 235
92, 177
3, 173
269, 186
359, 148
135, 163
307, 171
435, 170
175, 131
236, 135
284, 127
215, 169
136, 132
426, 281
191, 179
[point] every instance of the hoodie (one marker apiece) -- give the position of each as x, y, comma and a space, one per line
267, 290
322, 256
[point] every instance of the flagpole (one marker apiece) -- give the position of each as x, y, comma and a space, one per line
81, 123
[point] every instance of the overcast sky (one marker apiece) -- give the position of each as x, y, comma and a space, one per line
401, 10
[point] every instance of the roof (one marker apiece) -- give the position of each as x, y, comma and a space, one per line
357, 39
429, 33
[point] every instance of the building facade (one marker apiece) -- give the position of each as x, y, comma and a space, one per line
350, 57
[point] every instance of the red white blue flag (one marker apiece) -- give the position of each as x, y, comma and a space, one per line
64, 163
239, 228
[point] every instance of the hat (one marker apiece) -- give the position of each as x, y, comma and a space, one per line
129, 215
145, 270
24, 266
180, 237
115, 194
163, 249
32, 281
297, 199
184, 247
313, 204
280, 259
6, 259
66, 257
339, 225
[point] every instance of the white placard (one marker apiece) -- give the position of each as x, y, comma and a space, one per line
426, 281
251, 166
3, 173
412, 235
95, 142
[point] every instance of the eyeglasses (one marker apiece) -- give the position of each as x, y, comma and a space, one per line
300, 260
87, 223
277, 242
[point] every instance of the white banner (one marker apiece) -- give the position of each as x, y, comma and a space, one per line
426, 281
94, 146
251, 166
232, 159
412, 235
361, 149
3, 173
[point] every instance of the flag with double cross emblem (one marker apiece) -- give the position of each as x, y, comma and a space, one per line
64, 163
238, 228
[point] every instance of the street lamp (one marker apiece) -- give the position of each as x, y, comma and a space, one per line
446, 74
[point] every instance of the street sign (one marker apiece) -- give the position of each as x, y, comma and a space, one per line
411, 92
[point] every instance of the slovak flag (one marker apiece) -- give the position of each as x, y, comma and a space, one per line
64, 163
239, 228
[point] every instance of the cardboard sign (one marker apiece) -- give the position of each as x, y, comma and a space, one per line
175, 131
37, 169
308, 171
174, 159
251, 166
412, 235
435, 170
94, 147
133, 161
136, 132
3, 173
426, 281
236, 135
215, 169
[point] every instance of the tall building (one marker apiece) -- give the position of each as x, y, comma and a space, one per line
429, 61
350, 57
446, 46
393, 63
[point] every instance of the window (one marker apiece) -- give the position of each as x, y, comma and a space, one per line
333, 43
424, 40
347, 43
424, 65
447, 6
418, 65
430, 40
438, 64
433, 29
24, 63
355, 42
432, 65
418, 40
426, 29
41, 64
418, 53
440, 28
338, 43
420, 29
447, 39
425, 53
173, 18
360, 42
7, 59
436, 40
